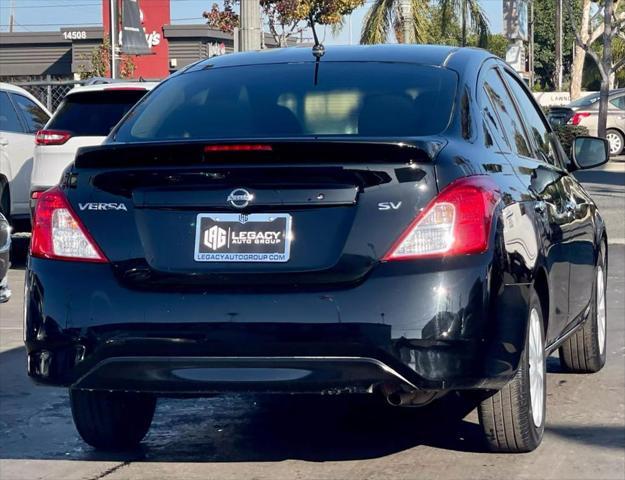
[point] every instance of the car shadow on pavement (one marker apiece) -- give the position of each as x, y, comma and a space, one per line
602, 177
604, 436
35, 423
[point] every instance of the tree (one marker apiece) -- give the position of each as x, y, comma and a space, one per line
545, 42
591, 34
98, 62
611, 27
286, 18
426, 21
452, 35
225, 20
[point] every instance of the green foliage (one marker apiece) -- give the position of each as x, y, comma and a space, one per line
452, 34
436, 21
567, 133
285, 18
545, 41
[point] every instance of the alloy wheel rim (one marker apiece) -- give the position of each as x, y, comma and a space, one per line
601, 315
537, 368
614, 141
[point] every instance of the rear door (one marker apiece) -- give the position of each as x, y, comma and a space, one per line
541, 177
575, 221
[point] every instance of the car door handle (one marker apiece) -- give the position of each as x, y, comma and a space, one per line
3, 142
540, 207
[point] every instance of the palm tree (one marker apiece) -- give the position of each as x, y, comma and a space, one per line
411, 17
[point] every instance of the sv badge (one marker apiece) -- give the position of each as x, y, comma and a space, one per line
389, 205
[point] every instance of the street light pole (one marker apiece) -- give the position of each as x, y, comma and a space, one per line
250, 25
464, 23
406, 13
113, 32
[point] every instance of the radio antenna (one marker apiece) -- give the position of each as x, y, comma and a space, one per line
318, 49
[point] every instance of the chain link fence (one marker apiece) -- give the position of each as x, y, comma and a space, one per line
49, 93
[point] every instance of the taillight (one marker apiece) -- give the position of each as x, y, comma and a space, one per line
577, 118
238, 148
52, 137
59, 234
455, 222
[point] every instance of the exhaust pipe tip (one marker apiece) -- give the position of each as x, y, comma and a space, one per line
415, 398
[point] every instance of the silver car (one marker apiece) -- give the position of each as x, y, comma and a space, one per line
585, 112
5, 250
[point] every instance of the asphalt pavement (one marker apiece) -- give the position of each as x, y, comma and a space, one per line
279, 437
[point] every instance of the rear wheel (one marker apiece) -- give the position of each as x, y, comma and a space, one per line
112, 420
616, 140
584, 351
513, 419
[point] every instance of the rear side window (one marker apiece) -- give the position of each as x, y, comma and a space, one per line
296, 100
34, 116
8, 116
508, 116
619, 102
94, 113
534, 122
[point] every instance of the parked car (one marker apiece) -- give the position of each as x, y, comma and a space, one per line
84, 118
585, 111
21, 115
398, 220
5, 250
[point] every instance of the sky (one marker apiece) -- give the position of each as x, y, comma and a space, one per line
38, 15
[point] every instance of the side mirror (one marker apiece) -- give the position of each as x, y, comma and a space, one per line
589, 152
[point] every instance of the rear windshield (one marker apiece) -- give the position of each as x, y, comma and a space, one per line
296, 100
94, 113
585, 101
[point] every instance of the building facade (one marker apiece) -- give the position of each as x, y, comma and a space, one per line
65, 54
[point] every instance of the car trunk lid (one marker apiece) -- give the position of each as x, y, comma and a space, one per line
182, 215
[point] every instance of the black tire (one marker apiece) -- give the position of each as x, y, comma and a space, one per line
112, 420
581, 352
506, 417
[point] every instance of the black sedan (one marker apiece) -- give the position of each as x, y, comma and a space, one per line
393, 220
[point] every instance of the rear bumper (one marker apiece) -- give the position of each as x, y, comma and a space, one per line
422, 327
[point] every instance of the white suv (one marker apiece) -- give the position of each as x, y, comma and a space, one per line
84, 118
21, 115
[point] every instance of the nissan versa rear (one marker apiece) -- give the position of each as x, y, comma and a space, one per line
393, 220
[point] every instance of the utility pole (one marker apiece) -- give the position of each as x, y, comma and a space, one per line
349, 23
608, 11
12, 17
530, 34
464, 23
250, 25
406, 14
558, 45
113, 14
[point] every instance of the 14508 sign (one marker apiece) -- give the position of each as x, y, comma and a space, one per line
75, 35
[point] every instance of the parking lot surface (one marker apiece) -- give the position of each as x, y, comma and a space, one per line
276, 437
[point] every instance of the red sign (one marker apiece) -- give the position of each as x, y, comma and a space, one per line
155, 15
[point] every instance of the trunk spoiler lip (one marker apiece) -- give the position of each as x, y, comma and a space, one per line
406, 147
